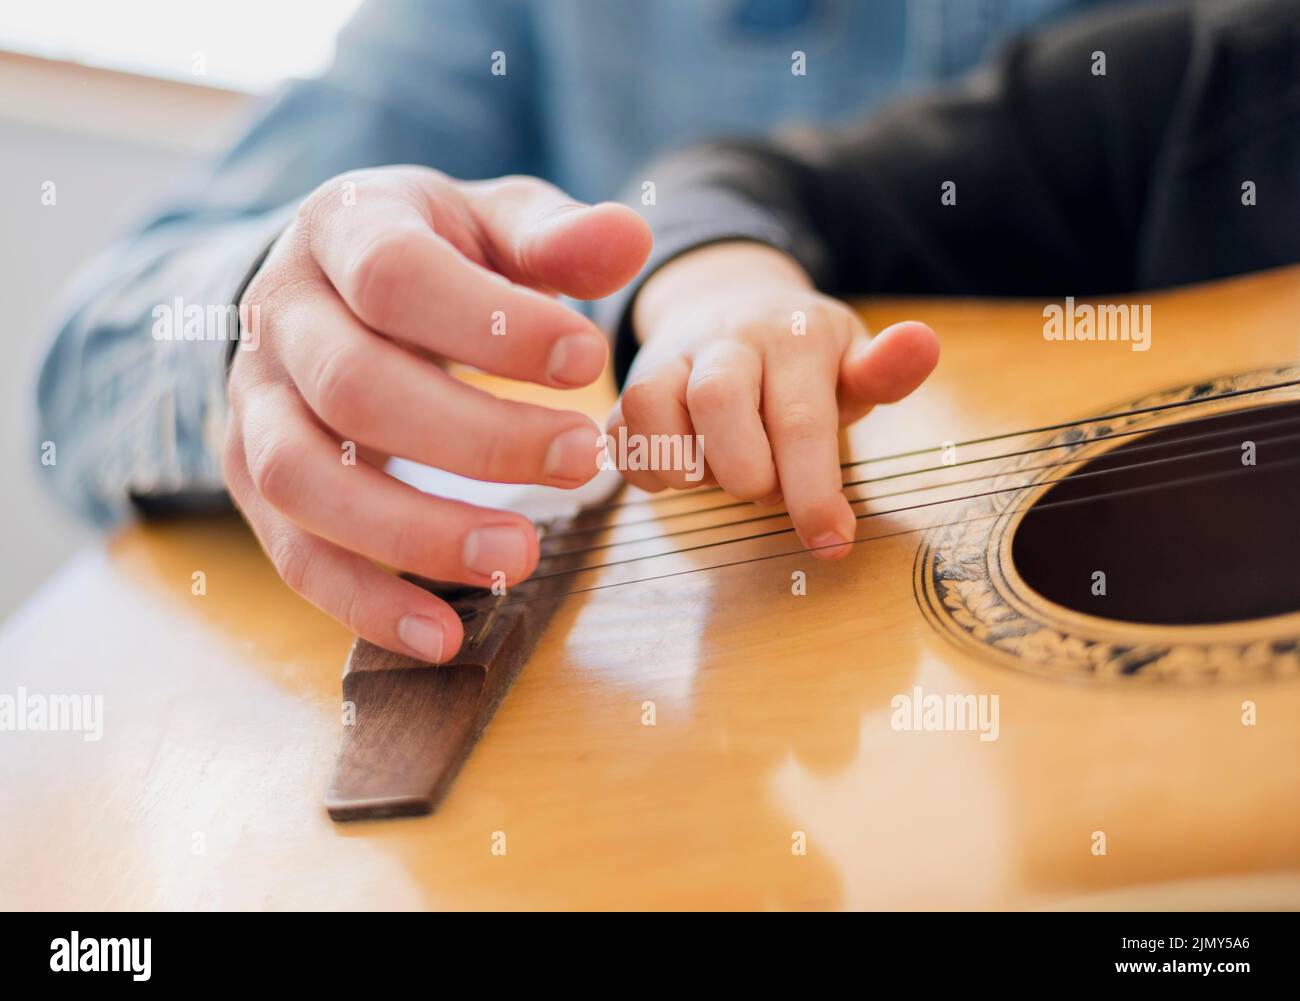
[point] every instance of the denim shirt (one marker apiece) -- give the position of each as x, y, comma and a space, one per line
576, 91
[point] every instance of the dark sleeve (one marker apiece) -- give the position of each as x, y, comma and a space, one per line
1032, 176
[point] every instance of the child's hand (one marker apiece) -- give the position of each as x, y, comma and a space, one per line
739, 348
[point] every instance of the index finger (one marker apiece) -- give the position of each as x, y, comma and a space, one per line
802, 420
404, 280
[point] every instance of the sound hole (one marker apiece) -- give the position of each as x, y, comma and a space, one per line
1222, 548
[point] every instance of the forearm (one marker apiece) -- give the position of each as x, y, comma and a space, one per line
132, 415
131, 394
1030, 178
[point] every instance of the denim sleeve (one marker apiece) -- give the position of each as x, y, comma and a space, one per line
130, 410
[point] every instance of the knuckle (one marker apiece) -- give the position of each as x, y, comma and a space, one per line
751, 486
322, 198
408, 546
313, 211
263, 285
829, 319
801, 421
822, 322
326, 198
352, 614
515, 187
279, 293
518, 186
276, 468
292, 560
755, 326
712, 390
639, 401
377, 276
494, 459
339, 387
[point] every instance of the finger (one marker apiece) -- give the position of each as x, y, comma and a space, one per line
616, 431
802, 422
659, 426
722, 396
375, 605
885, 368
537, 235
406, 281
304, 475
370, 390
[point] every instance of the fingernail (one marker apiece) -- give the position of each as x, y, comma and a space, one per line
572, 456
576, 359
422, 635
830, 546
497, 548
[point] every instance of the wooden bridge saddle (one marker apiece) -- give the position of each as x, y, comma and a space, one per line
409, 725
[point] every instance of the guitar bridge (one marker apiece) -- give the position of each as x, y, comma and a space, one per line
409, 725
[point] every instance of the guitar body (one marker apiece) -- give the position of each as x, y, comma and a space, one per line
758, 735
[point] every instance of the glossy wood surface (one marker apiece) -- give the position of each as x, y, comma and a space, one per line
772, 715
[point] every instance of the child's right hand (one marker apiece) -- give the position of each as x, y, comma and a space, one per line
739, 348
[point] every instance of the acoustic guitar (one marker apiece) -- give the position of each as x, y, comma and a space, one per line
1060, 668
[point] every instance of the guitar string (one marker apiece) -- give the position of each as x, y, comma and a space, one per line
557, 554
878, 514
937, 486
1156, 408
878, 538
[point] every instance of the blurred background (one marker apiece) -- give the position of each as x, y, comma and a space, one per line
113, 106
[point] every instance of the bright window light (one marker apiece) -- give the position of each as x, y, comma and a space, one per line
243, 44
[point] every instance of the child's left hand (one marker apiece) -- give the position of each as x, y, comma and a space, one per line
739, 348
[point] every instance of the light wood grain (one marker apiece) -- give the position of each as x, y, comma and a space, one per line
772, 716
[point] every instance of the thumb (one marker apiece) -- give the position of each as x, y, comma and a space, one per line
885, 368
536, 235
